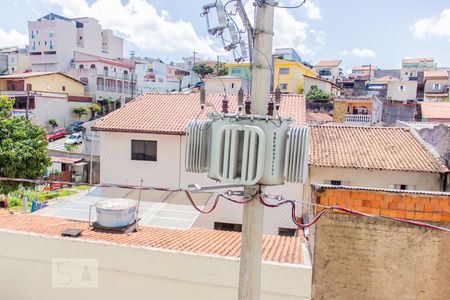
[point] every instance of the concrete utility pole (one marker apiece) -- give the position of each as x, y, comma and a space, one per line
252, 225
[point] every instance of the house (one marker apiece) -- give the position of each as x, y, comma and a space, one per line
322, 84
106, 79
363, 71
46, 94
435, 112
358, 111
404, 91
360, 257
164, 263
289, 76
374, 157
226, 84
145, 140
329, 69
53, 39
17, 60
436, 85
412, 67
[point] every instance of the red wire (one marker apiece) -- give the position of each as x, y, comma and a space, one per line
216, 201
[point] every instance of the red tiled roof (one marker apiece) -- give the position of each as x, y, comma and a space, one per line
436, 74
169, 113
328, 63
373, 148
202, 241
318, 117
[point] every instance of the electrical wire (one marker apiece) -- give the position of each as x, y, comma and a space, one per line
262, 2
261, 197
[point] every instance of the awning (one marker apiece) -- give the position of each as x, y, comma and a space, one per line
65, 160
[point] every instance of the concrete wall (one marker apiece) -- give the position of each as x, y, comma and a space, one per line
372, 178
55, 83
132, 272
409, 92
439, 138
216, 85
321, 85
169, 171
362, 258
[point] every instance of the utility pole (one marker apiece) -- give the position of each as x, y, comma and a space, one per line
252, 224
193, 65
217, 66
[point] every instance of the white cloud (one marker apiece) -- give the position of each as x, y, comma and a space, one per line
344, 53
312, 10
140, 24
438, 26
363, 53
320, 36
12, 38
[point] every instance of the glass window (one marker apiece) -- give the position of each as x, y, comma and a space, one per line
436, 86
51, 34
235, 70
287, 231
284, 86
284, 70
143, 150
227, 226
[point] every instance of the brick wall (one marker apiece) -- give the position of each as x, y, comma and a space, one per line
356, 257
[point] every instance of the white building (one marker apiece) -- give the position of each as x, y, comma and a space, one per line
17, 60
105, 79
329, 69
53, 39
226, 84
145, 140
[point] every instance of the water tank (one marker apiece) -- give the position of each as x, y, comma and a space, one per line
116, 212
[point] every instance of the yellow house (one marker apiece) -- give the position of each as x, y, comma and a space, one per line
54, 82
288, 75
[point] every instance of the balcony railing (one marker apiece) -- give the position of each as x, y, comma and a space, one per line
358, 119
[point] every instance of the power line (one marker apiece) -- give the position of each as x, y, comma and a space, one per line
262, 197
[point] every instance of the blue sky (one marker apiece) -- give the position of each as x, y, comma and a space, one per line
358, 31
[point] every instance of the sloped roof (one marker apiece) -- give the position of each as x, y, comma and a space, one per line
373, 148
435, 110
436, 74
328, 63
169, 113
320, 117
202, 241
36, 74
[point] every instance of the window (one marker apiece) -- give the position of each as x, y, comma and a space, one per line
63, 88
51, 44
335, 182
403, 187
401, 88
49, 52
51, 34
235, 70
227, 226
143, 150
45, 43
81, 67
232, 85
287, 231
92, 66
436, 86
283, 86
284, 70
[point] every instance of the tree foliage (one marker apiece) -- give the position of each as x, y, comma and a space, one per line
53, 122
316, 94
23, 148
202, 70
6, 106
80, 110
222, 70
94, 108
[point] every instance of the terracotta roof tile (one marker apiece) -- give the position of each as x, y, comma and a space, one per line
436, 74
328, 63
202, 241
170, 113
435, 110
310, 116
377, 148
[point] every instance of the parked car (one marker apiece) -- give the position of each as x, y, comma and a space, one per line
75, 127
74, 138
56, 134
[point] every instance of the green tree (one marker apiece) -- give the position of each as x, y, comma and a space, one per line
202, 70
222, 70
53, 123
80, 110
23, 148
6, 106
316, 94
94, 108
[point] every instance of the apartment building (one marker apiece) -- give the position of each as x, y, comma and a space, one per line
17, 60
154, 75
287, 54
44, 95
329, 69
53, 39
105, 79
435, 85
412, 67
365, 71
